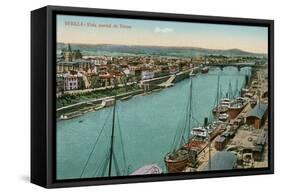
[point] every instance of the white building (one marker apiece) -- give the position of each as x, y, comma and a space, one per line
127, 71
72, 81
147, 75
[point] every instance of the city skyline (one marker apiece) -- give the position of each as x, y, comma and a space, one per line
100, 30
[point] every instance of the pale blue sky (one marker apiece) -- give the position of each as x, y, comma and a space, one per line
162, 33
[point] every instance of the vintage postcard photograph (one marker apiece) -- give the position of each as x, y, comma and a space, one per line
145, 97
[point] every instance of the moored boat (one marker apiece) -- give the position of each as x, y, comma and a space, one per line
205, 70
181, 158
177, 161
70, 115
111, 165
126, 98
236, 106
148, 169
192, 74
105, 103
220, 109
225, 100
200, 132
223, 117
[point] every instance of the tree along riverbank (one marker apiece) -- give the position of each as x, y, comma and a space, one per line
89, 104
70, 99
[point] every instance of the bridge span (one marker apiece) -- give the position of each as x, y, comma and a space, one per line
238, 65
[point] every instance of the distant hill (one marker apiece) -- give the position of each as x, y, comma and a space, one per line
110, 49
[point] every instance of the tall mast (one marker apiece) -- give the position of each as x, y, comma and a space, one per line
236, 88
218, 91
188, 115
217, 104
190, 105
112, 138
209, 153
230, 92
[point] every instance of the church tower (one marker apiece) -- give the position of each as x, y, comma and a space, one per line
71, 55
68, 54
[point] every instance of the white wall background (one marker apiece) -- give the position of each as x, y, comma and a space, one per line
15, 94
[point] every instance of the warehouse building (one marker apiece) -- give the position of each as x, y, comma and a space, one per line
257, 116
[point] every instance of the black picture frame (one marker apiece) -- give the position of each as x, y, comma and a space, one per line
43, 95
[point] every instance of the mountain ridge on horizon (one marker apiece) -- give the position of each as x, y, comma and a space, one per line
158, 50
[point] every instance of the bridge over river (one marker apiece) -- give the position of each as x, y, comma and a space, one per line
238, 65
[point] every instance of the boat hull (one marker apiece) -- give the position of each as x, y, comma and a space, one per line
179, 160
219, 110
176, 166
205, 70
234, 112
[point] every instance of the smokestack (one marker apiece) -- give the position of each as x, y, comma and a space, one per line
246, 80
205, 121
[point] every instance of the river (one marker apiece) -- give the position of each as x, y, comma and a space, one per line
145, 126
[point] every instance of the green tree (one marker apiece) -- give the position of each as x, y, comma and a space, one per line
95, 82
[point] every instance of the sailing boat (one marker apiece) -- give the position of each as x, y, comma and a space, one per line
110, 156
221, 105
147, 169
110, 161
112, 139
178, 160
219, 108
237, 104
187, 155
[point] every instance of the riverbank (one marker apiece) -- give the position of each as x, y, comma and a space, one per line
81, 108
247, 142
70, 106
76, 97
146, 87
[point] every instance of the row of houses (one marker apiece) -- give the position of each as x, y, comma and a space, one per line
136, 72
74, 80
70, 81
86, 65
75, 72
